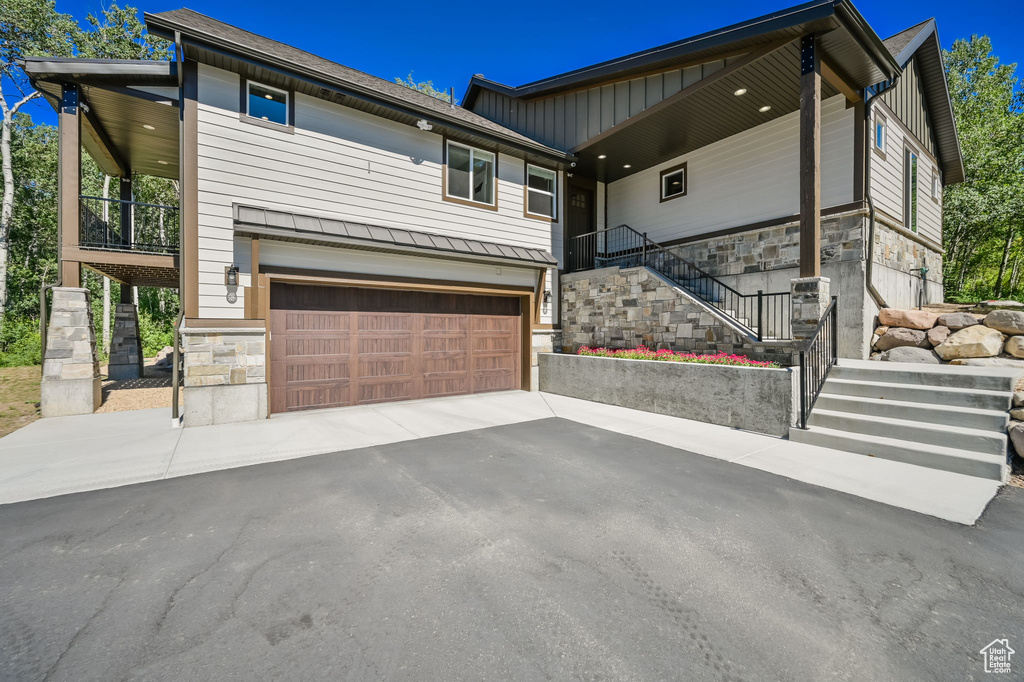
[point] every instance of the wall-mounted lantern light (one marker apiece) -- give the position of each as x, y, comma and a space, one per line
231, 275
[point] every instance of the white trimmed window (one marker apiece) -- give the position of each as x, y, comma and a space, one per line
266, 103
540, 192
936, 186
470, 174
910, 187
673, 182
881, 133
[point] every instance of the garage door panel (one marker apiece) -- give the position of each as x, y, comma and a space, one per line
373, 346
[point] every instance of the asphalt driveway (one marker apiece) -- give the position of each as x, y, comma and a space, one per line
541, 550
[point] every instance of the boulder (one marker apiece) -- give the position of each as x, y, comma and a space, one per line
897, 337
165, 358
1006, 321
1016, 431
881, 330
972, 342
1017, 413
1015, 346
913, 319
911, 354
937, 335
957, 321
1018, 398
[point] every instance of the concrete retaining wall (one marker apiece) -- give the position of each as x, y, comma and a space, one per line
761, 400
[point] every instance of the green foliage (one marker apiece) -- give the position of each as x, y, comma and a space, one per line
19, 341
156, 333
983, 222
426, 87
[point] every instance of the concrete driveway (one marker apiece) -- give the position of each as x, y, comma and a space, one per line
546, 549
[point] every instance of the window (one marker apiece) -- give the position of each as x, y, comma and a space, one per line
936, 186
470, 175
266, 103
673, 182
881, 133
910, 188
540, 192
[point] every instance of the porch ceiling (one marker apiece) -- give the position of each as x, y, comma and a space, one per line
710, 113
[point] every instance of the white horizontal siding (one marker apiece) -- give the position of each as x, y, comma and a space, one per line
746, 178
339, 163
887, 178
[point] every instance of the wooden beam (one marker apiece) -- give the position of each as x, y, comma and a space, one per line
109, 161
810, 157
254, 277
830, 74
69, 182
539, 297
142, 260
125, 194
189, 188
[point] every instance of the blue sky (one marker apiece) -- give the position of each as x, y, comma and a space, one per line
447, 43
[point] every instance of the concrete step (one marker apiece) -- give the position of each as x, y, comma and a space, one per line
919, 433
958, 461
983, 378
942, 395
933, 413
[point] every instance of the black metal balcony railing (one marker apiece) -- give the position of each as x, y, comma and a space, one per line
151, 228
762, 316
817, 360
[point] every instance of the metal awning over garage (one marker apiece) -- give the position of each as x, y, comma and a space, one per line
269, 224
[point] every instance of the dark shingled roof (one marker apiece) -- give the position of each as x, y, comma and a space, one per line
200, 26
897, 43
296, 227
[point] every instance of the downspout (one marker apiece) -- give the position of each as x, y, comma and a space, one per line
870, 250
176, 365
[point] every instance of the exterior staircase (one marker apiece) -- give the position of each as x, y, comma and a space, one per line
941, 417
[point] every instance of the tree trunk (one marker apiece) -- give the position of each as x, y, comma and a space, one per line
1002, 264
106, 280
7, 206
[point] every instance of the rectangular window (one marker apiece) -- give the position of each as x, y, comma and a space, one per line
910, 187
540, 192
673, 182
936, 186
881, 133
470, 175
266, 103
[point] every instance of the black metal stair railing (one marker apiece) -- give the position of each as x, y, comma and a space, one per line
764, 316
817, 359
152, 228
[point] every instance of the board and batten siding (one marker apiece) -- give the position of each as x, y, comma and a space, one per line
567, 120
339, 163
887, 176
746, 178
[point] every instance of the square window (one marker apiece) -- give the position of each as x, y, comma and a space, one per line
267, 104
540, 191
673, 182
470, 174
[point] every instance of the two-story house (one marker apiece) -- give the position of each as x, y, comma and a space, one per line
347, 240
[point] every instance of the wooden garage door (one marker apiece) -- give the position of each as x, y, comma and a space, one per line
336, 346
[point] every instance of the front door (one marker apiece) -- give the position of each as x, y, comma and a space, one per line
581, 219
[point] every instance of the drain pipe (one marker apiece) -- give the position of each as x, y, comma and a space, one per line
176, 362
870, 250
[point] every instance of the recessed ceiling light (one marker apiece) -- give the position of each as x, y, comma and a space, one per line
602, 156
741, 91
627, 166
161, 162
766, 107
269, 96
148, 127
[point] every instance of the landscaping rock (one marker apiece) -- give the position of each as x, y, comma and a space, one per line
881, 330
973, 342
958, 321
911, 354
937, 335
1016, 431
1018, 398
1015, 346
165, 358
1017, 413
913, 319
897, 337
1007, 321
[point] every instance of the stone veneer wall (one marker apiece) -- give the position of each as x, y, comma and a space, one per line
71, 368
225, 375
125, 360
621, 308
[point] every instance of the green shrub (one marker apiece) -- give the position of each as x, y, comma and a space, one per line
156, 333
19, 342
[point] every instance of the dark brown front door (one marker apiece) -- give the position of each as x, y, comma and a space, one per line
336, 346
581, 218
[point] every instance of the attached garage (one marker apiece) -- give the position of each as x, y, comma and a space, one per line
332, 346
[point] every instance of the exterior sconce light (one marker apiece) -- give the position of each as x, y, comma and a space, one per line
231, 275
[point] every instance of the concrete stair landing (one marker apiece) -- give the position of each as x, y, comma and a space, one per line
940, 417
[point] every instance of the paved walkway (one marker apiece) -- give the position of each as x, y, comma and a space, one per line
74, 454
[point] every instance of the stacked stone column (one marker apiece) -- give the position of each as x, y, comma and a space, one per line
71, 368
810, 298
126, 345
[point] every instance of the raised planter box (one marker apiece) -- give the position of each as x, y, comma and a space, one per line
754, 399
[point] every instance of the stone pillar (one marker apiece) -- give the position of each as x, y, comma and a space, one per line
126, 347
71, 369
810, 298
225, 375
